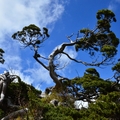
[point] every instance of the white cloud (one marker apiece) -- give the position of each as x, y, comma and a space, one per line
35, 76
39, 74
117, 1
26, 78
113, 5
16, 14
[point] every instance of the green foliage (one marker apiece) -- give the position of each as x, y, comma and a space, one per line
84, 31
41, 108
116, 67
106, 14
107, 106
102, 39
31, 30
1, 113
93, 71
105, 17
114, 39
31, 36
108, 50
93, 84
1, 51
18, 92
61, 113
22, 95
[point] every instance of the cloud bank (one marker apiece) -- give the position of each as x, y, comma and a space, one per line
16, 14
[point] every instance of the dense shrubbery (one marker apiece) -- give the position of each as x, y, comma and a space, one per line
106, 106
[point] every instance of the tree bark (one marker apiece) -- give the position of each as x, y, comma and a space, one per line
15, 114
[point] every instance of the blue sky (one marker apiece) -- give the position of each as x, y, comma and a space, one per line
62, 17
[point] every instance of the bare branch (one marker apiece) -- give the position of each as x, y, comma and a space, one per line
68, 37
15, 114
47, 68
85, 63
44, 57
80, 61
62, 67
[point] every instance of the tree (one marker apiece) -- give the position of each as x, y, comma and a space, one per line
103, 96
100, 40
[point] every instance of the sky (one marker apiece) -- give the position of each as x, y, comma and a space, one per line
62, 18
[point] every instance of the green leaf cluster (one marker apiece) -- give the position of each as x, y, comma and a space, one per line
101, 39
31, 36
108, 50
93, 71
116, 67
